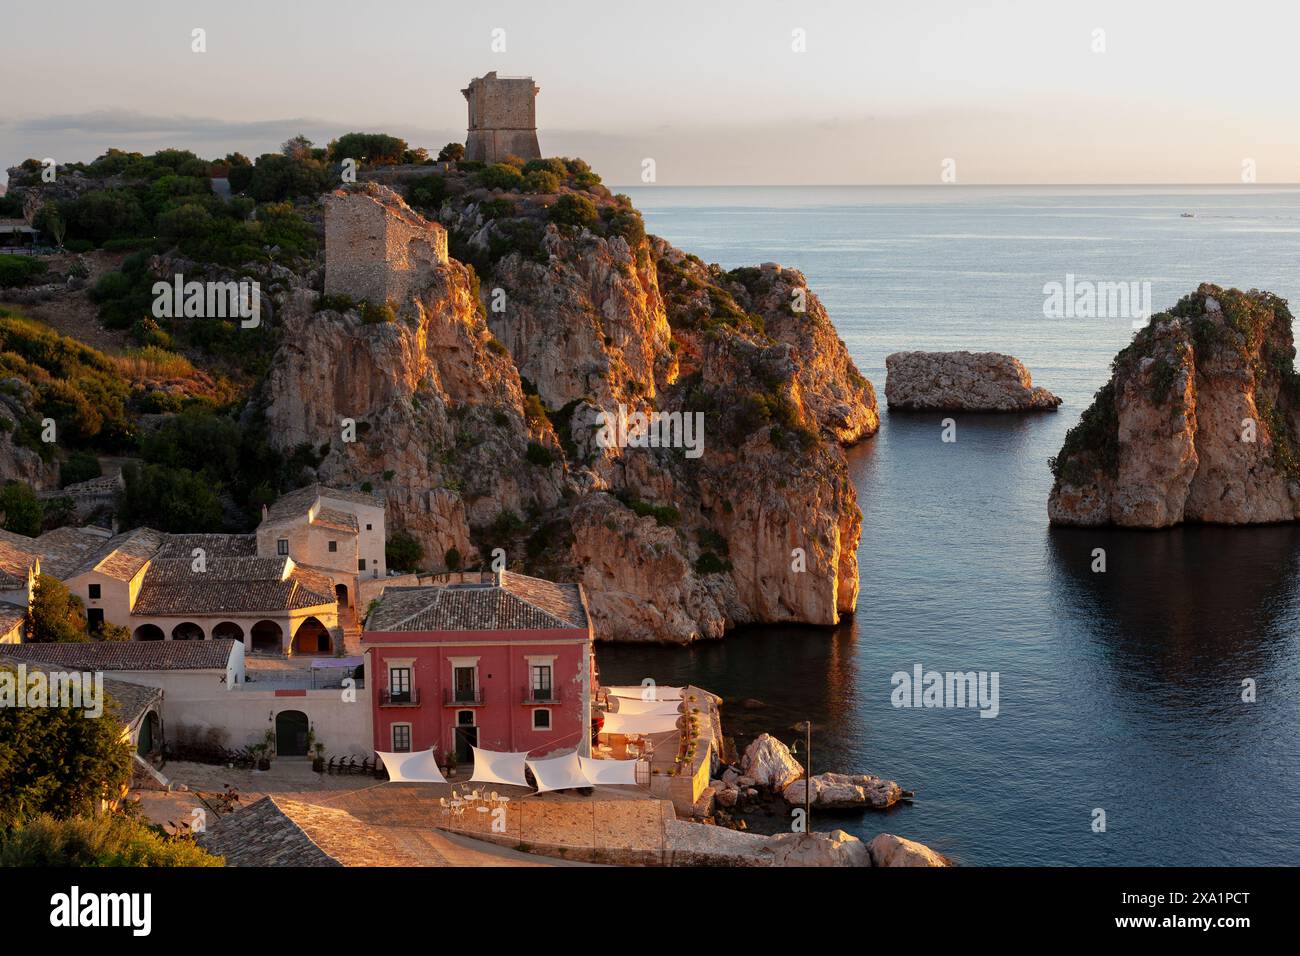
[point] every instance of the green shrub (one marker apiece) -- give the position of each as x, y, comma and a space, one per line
372, 314
23, 513
501, 176
540, 455
451, 153
370, 149
452, 559
427, 191
106, 839
710, 563
403, 552
541, 181
574, 210
79, 466
19, 270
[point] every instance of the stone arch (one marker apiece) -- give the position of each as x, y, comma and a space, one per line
148, 632
267, 636
187, 631
341, 594
312, 637
291, 729
228, 629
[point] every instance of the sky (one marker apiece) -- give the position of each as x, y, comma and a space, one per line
713, 91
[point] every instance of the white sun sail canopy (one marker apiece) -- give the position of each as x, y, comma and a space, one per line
419, 767
558, 773
651, 692
609, 772
493, 767
631, 706
639, 723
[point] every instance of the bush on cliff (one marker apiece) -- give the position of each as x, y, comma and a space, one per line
575, 211
501, 176
19, 270
403, 552
369, 149
22, 510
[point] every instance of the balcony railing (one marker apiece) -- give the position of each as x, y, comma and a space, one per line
541, 695
400, 698
460, 697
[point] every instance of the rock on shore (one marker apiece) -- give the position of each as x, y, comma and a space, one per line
1197, 423
962, 381
886, 849
841, 791
769, 763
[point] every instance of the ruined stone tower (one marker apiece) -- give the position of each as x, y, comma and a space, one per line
502, 118
377, 247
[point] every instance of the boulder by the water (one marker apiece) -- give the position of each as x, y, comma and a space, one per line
886, 849
840, 791
962, 381
769, 763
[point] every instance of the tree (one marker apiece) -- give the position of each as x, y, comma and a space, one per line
403, 552
108, 631
297, 147
574, 210
107, 839
56, 615
169, 499
80, 466
59, 760
369, 149
451, 153
23, 512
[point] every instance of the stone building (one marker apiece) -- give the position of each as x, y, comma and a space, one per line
502, 118
377, 247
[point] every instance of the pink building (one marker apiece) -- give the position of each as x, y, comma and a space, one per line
505, 664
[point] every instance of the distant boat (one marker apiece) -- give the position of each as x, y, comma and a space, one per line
1187, 215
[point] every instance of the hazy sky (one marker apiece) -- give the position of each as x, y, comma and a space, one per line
712, 90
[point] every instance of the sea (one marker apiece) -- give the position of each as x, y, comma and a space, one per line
1148, 713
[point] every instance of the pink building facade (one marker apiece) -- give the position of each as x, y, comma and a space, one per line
504, 665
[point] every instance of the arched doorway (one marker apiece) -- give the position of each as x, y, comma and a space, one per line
228, 630
149, 740
187, 631
312, 637
341, 594
291, 733
267, 637
149, 632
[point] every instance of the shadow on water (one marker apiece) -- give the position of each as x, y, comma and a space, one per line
1178, 601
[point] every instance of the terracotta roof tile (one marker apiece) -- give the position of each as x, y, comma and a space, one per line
127, 655
172, 588
516, 602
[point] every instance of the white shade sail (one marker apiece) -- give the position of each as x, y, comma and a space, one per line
493, 767
631, 706
419, 767
609, 772
639, 723
639, 692
558, 773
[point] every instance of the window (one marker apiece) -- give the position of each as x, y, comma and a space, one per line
541, 719
399, 685
541, 681
282, 547
94, 619
369, 527
464, 683
334, 546
401, 738
94, 592
361, 564
465, 718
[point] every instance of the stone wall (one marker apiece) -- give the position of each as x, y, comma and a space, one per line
502, 118
377, 247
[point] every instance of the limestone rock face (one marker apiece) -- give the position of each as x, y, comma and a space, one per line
962, 381
839, 791
835, 848
886, 849
1198, 422
17, 462
770, 764
486, 405
694, 844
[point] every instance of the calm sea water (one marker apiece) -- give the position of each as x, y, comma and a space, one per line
1118, 691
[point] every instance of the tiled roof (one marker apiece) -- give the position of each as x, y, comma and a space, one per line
338, 520
128, 655
296, 503
133, 700
63, 549
11, 615
172, 588
123, 555
17, 555
515, 603
276, 831
213, 545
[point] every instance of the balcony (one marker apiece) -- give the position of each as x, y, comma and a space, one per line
541, 695
463, 697
402, 698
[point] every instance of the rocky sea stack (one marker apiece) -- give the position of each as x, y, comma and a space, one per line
1197, 423
962, 381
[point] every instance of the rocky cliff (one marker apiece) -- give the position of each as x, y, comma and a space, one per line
479, 404
1197, 423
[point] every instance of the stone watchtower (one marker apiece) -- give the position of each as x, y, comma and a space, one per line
502, 118
377, 247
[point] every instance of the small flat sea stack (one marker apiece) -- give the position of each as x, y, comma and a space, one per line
1197, 422
962, 382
